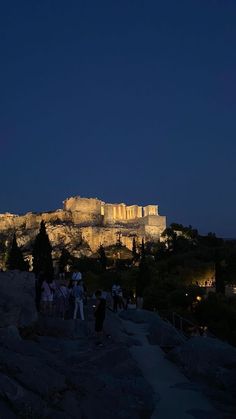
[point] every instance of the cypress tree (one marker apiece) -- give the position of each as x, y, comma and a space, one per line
42, 253
14, 258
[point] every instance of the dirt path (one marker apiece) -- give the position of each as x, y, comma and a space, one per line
174, 394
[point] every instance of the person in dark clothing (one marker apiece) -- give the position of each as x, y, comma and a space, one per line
115, 297
99, 314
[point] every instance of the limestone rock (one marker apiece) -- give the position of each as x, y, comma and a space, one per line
17, 306
209, 358
160, 332
56, 327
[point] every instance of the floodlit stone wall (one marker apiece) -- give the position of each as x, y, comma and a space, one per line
133, 212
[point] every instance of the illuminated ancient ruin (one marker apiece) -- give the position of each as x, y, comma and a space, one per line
87, 220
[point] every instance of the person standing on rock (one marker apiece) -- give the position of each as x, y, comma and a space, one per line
78, 293
120, 297
115, 297
61, 299
47, 296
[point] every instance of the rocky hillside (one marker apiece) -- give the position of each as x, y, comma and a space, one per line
58, 371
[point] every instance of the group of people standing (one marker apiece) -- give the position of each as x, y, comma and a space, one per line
121, 297
65, 300
60, 298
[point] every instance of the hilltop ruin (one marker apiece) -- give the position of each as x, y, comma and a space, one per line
84, 224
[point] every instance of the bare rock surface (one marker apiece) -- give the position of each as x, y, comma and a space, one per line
174, 394
17, 307
208, 367
60, 372
50, 377
212, 363
160, 332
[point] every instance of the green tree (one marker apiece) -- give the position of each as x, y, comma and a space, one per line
14, 258
42, 253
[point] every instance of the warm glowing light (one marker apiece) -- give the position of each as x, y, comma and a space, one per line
199, 298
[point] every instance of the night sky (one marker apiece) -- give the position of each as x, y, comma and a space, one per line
127, 101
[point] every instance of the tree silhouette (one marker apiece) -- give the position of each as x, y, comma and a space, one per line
102, 256
42, 253
63, 260
219, 274
14, 258
134, 250
143, 277
143, 250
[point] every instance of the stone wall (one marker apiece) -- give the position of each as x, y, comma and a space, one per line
107, 236
84, 210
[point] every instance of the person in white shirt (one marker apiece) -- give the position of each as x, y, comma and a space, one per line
47, 295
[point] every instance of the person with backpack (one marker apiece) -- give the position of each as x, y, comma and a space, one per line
78, 293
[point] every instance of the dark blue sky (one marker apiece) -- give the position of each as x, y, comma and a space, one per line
127, 101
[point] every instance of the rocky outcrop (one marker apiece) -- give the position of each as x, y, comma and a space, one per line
160, 332
212, 362
17, 306
65, 375
204, 356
